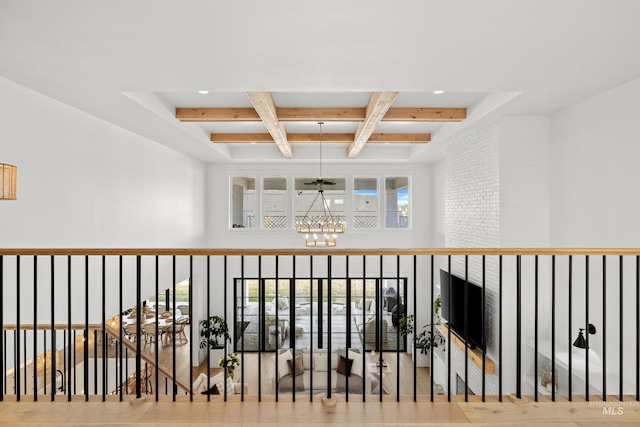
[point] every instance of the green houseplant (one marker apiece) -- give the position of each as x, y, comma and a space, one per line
424, 340
213, 332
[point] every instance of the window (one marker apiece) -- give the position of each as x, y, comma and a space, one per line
365, 203
243, 202
397, 202
296, 311
274, 203
307, 192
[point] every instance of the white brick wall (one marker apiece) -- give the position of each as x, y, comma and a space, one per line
496, 195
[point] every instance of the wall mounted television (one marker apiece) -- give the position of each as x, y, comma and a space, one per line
453, 308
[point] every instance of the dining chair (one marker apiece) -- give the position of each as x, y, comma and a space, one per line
178, 335
150, 332
131, 332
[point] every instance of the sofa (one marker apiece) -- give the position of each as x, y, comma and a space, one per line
217, 384
350, 371
364, 316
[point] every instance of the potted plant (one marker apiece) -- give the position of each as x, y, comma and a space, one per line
214, 332
424, 340
229, 363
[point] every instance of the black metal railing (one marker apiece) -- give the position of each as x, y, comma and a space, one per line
67, 327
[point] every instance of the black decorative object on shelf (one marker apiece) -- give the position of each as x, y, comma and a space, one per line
580, 342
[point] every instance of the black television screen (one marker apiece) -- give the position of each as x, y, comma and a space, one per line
453, 310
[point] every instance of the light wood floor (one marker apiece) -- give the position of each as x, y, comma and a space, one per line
423, 413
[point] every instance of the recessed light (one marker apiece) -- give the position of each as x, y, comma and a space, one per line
203, 92
438, 92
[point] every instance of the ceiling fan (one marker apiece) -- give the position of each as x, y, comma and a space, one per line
320, 181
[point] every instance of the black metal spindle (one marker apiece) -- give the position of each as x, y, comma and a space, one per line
70, 334
54, 348
553, 328
190, 327
85, 365
260, 346
17, 341
415, 331
95, 361
25, 361
292, 322
535, 333
104, 330
262, 328
604, 328
277, 336
311, 325
518, 327
139, 325
570, 336
35, 331
448, 330
378, 344
484, 325
173, 327
500, 328
157, 331
208, 356
329, 327
347, 319
466, 327
119, 371
586, 293
399, 313
621, 352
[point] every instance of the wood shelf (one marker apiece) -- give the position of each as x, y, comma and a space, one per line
474, 354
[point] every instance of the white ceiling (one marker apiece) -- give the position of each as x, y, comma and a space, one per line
133, 63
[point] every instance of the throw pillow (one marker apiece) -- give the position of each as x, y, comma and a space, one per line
344, 366
295, 366
283, 367
212, 390
358, 365
320, 362
230, 386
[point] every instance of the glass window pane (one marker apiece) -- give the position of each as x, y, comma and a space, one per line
365, 209
274, 203
397, 200
243, 202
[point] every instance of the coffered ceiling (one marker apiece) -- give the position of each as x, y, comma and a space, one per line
289, 64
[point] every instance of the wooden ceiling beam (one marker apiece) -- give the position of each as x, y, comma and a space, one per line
266, 109
344, 138
378, 105
425, 115
321, 114
217, 115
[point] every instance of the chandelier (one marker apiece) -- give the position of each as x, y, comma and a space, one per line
321, 229
8, 177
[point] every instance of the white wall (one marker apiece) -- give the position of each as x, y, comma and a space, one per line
594, 174
83, 182
594, 171
496, 195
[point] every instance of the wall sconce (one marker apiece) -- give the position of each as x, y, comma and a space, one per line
580, 342
8, 178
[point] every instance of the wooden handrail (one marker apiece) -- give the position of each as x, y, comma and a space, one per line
47, 326
315, 251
